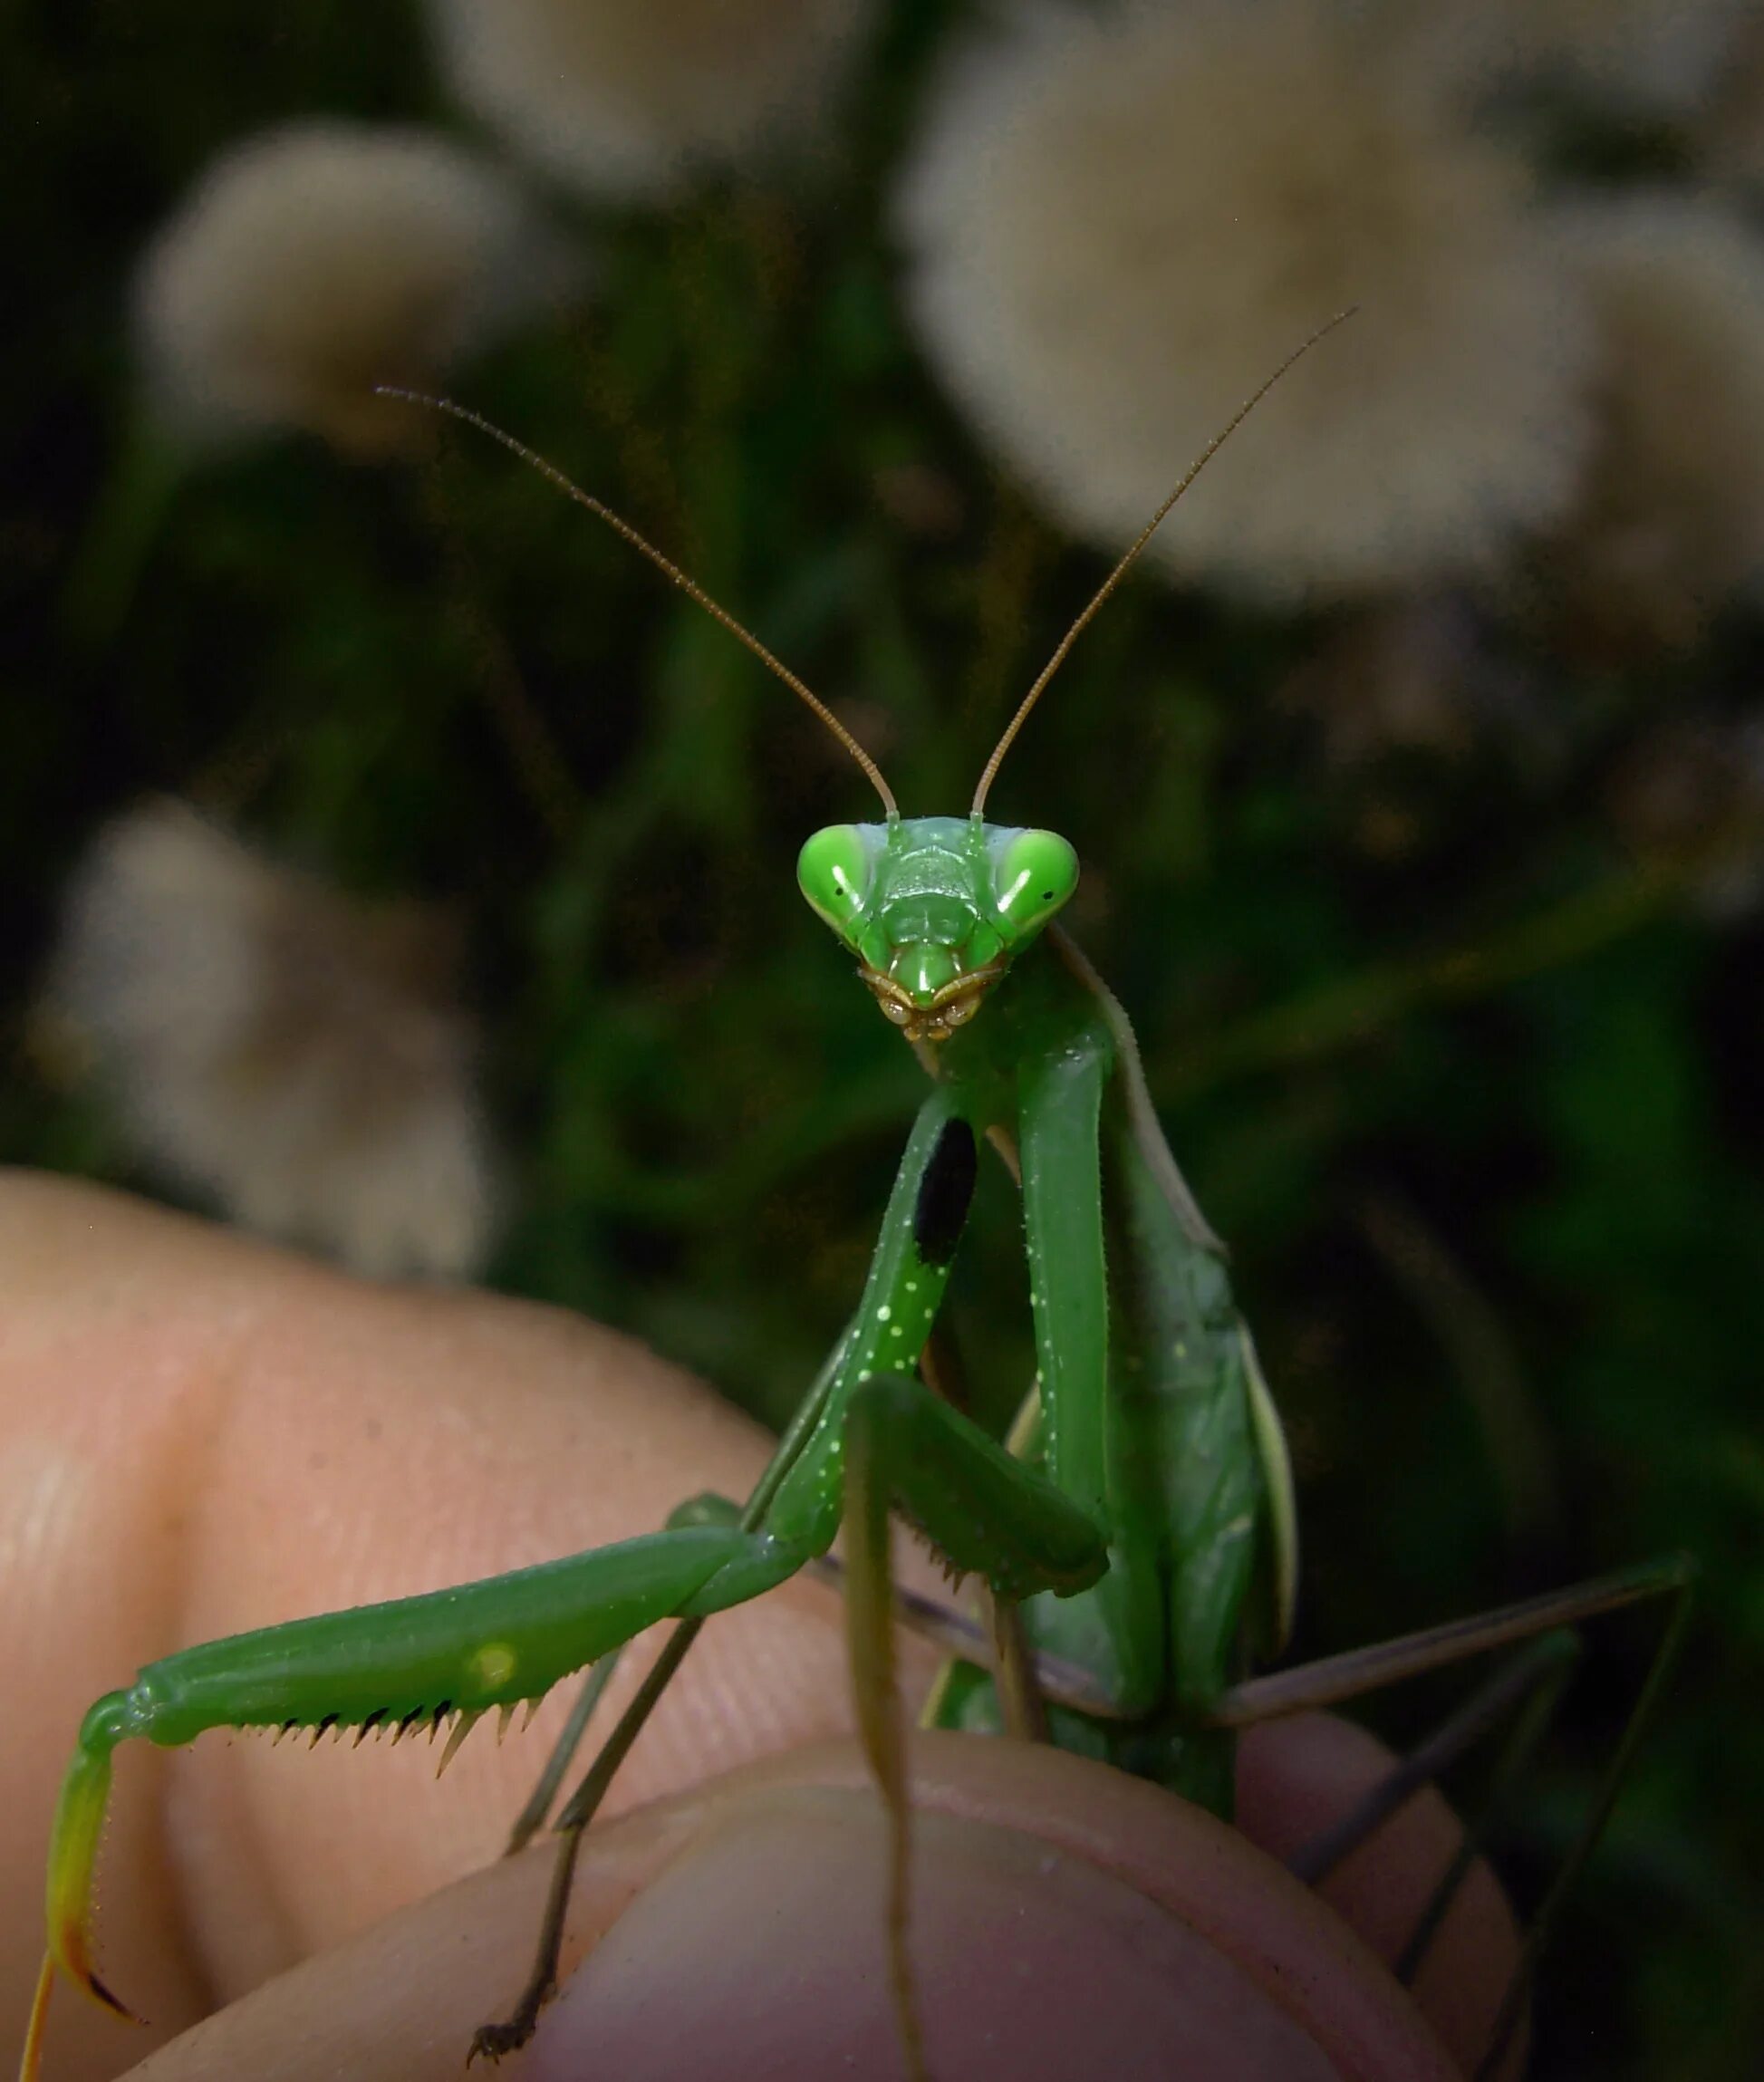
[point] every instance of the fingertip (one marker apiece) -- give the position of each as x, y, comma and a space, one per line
1065, 1920
1298, 1776
761, 1952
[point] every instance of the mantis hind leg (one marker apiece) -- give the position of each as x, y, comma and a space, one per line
1532, 1683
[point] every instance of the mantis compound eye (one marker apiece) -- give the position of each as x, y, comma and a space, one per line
1033, 875
834, 869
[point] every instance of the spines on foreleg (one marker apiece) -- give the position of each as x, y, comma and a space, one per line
407, 1666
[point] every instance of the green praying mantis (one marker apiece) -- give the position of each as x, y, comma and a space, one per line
1133, 1536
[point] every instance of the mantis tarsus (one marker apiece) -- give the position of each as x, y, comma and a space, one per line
1137, 1519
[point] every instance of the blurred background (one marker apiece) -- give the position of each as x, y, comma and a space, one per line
394, 865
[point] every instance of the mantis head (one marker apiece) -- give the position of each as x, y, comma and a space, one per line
935, 908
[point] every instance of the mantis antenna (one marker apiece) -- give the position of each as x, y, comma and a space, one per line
1132, 558
668, 570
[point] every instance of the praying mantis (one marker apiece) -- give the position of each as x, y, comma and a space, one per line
1131, 1537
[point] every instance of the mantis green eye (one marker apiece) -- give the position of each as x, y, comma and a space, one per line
1032, 874
834, 869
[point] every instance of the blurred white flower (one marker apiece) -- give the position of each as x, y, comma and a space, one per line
317, 260
297, 1057
1118, 224
628, 101
1670, 518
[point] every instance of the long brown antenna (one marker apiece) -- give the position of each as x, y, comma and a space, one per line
1127, 562
668, 570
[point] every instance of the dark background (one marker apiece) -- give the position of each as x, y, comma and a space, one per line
1467, 1078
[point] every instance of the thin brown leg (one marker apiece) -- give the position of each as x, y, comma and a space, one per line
1484, 1711
1333, 1678
532, 1817
1338, 1677
1014, 1672
493, 2040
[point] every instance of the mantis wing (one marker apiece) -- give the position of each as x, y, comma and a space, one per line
1152, 1156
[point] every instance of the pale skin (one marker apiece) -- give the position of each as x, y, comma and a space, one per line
200, 1434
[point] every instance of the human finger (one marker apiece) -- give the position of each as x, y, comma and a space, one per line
1066, 1920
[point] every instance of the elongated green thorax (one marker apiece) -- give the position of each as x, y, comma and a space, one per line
935, 908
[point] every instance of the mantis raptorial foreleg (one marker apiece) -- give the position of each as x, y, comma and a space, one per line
453, 1654
892, 1443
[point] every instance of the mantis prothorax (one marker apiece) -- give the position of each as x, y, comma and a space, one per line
1140, 1513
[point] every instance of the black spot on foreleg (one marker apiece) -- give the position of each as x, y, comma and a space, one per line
945, 1193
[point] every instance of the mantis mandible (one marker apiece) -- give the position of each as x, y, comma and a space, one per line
1127, 1534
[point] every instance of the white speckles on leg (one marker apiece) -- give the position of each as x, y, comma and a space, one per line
883, 1313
